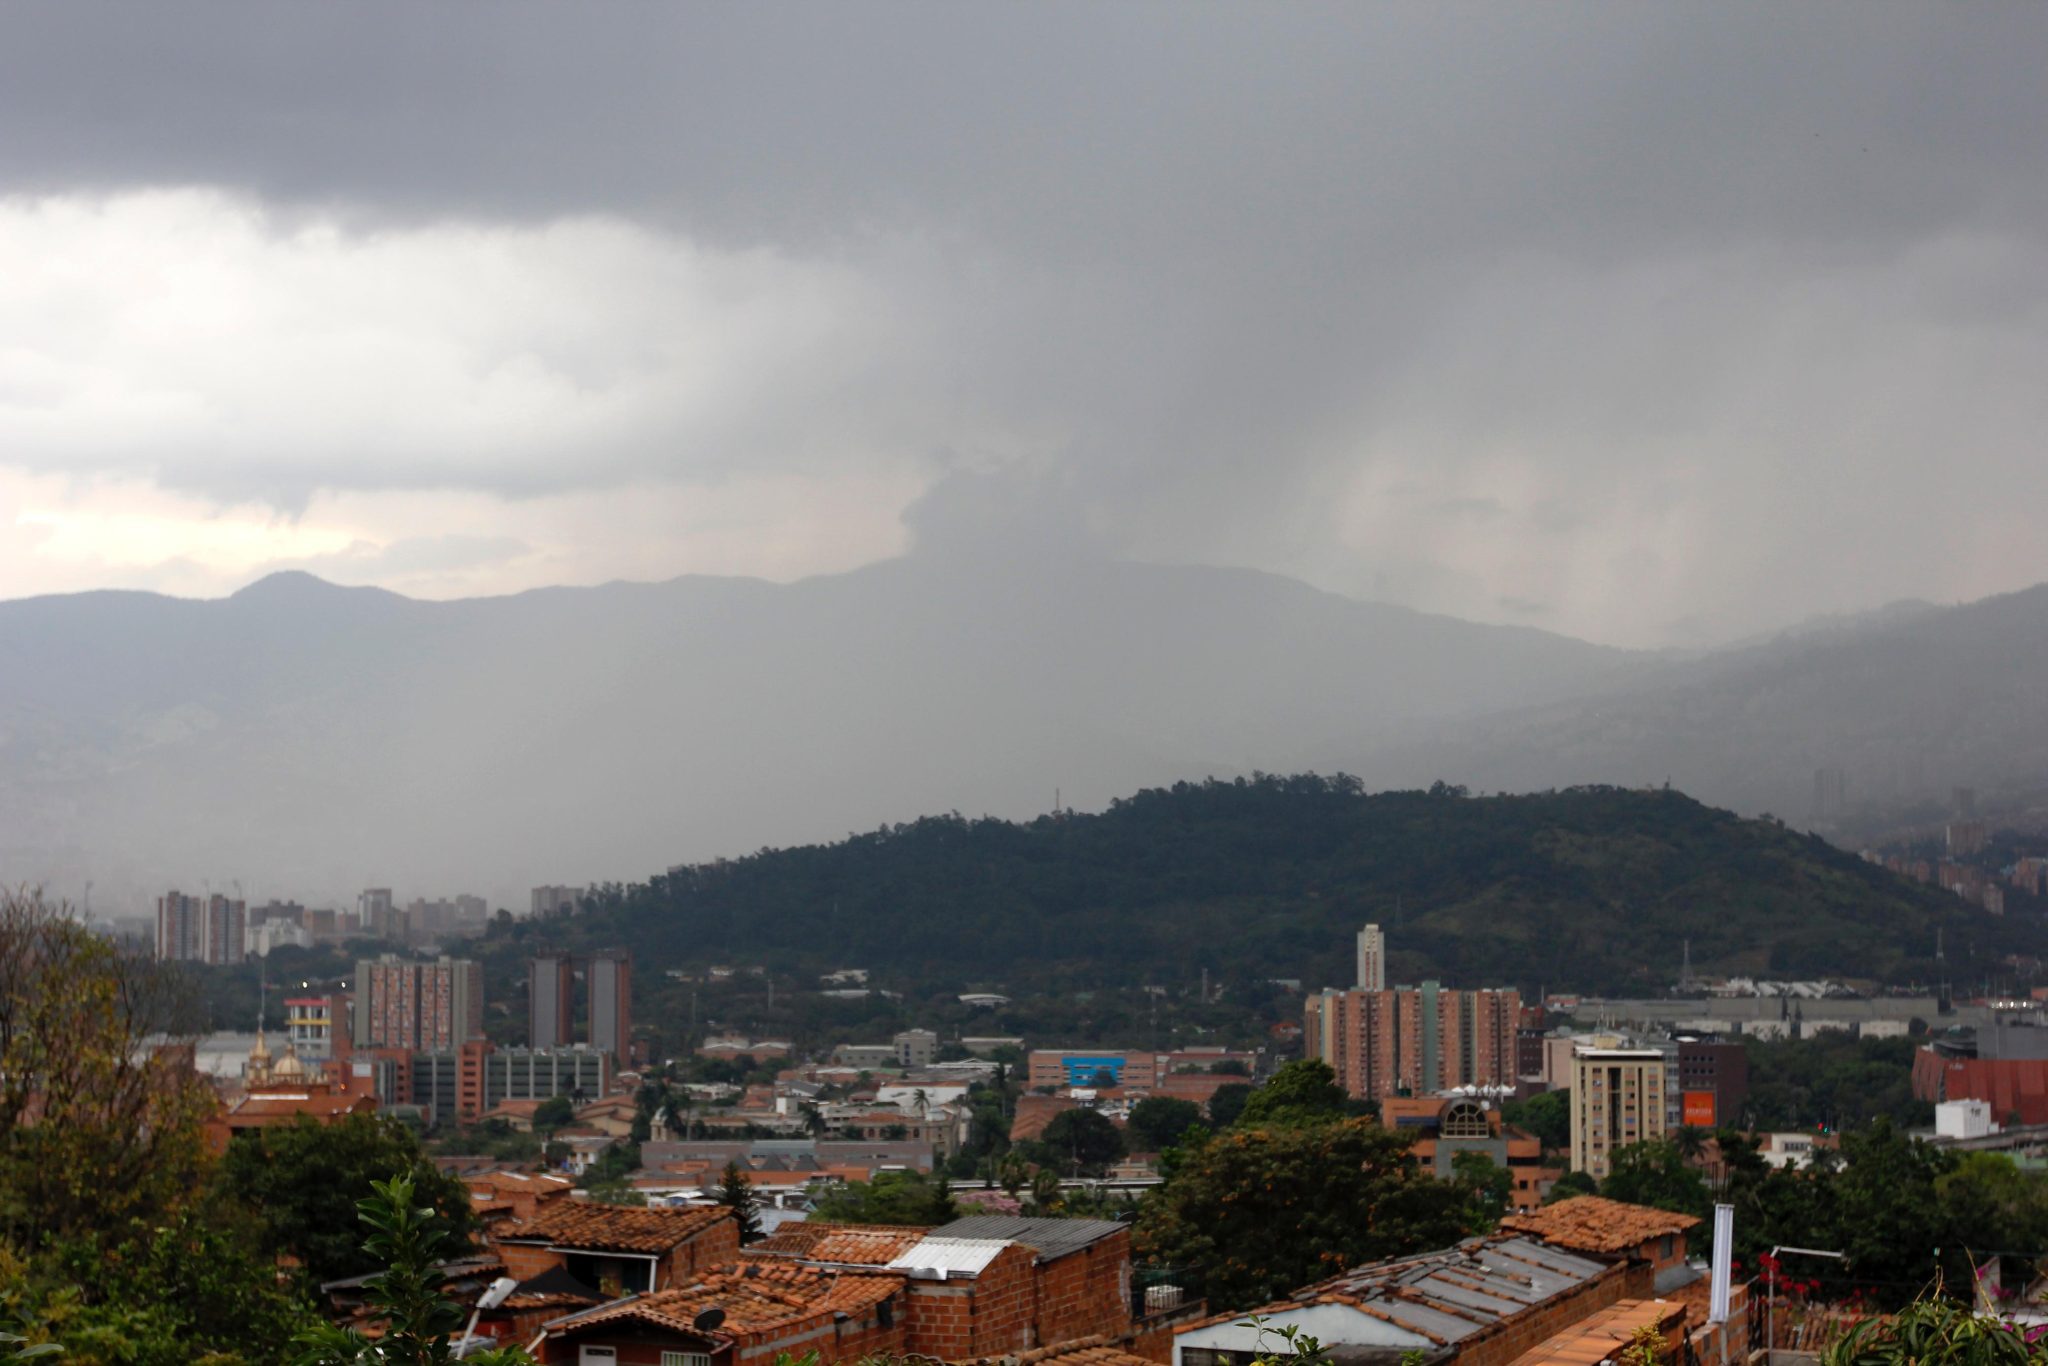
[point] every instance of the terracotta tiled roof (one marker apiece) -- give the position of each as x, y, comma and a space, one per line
1100, 1350
1601, 1337
282, 1107
616, 1228
1587, 1223
800, 1240
864, 1247
758, 1298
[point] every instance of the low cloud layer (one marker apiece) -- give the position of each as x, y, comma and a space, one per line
1655, 326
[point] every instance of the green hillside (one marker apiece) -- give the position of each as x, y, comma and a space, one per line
1589, 890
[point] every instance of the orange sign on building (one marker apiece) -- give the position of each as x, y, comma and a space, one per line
1699, 1109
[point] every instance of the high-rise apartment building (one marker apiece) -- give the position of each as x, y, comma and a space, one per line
555, 900
609, 979
551, 1001
1414, 1040
377, 913
209, 929
1617, 1099
1372, 959
418, 1006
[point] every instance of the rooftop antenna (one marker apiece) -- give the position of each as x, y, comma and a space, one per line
1685, 972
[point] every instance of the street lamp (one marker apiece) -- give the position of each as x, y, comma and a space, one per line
500, 1290
1771, 1305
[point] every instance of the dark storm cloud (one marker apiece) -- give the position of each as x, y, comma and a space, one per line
1225, 276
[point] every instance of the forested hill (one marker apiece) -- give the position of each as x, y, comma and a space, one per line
1588, 889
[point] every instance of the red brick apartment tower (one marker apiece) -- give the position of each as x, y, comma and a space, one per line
1415, 1039
432, 1007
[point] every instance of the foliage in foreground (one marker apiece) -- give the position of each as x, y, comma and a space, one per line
111, 1246
420, 1322
304, 1181
1933, 1332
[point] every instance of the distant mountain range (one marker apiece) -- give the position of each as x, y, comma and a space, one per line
1907, 703
308, 740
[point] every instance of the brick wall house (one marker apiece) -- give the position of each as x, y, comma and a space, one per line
619, 1249
1481, 1303
1609, 1230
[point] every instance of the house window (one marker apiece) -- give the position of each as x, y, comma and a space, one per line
685, 1359
1663, 1250
596, 1356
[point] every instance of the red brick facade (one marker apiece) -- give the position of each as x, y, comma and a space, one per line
982, 1316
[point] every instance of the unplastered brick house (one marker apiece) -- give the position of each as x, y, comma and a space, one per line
1612, 1230
619, 1249
978, 1287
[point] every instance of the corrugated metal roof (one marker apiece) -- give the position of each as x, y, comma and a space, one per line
1052, 1237
951, 1256
1452, 1294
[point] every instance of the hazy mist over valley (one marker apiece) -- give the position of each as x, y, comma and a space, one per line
581, 735
645, 436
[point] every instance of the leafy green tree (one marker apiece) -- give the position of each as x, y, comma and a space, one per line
1157, 1122
1571, 1184
194, 1286
891, 1198
1488, 1187
304, 1183
1227, 1102
1547, 1115
420, 1322
99, 1130
1932, 1330
1991, 1203
736, 1193
1083, 1141
1262, 1211
1302, 1092
1889, 1212
1652, 1173
554, 1113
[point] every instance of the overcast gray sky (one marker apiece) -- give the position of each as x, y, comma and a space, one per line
1649, 324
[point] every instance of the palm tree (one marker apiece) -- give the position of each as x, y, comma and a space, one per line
921, 1102
1045, 1191
1691, 1142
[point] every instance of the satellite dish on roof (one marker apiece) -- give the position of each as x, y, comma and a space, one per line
708, 1321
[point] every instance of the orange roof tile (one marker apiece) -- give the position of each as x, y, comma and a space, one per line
800, 1240
1599, 1338
758, 1299
1588, 1223
616, 1228
864, 1247
1100, 1350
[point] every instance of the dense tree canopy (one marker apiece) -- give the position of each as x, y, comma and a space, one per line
1271, 876
1547, 1115
1254, 1213
1655, 1174
1304, 1091
110, 1245
304, 1181
1080, 1142
891, 1198
1157, 1122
